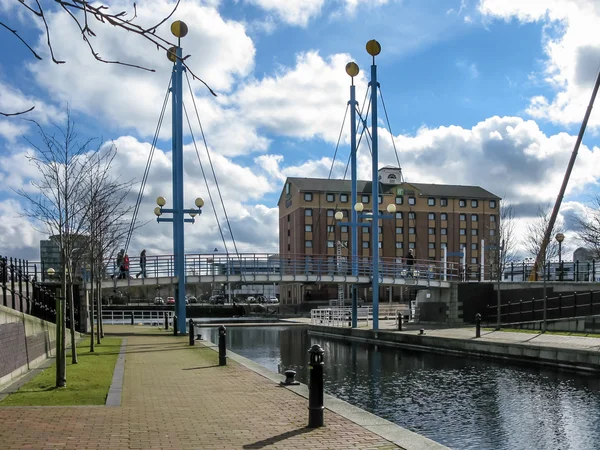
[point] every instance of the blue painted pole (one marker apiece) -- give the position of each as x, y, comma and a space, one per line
354, 198
178, 233
375, 196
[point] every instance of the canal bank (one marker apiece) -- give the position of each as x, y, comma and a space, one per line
566, 352
383, 428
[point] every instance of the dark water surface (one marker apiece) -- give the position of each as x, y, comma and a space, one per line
462, 403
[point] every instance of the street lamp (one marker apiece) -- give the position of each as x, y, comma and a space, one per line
560, 238
160, 210
50, 272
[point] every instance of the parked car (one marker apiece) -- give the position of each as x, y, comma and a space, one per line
159, 301
217, 300
251, 300
192, 299
273, 300
170, 300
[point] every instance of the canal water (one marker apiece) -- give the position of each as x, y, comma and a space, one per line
462, 403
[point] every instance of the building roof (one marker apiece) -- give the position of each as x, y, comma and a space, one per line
364, 187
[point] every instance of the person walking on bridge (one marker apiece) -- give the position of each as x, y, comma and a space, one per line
125, 267
142, 265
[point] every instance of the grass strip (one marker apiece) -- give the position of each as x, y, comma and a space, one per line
88, 381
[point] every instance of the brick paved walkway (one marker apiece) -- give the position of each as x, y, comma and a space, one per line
177, 397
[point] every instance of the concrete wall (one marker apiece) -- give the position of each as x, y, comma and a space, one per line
583, 324
25, 342
439, 305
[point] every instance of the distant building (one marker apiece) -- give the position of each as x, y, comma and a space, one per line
429, 217
50, 253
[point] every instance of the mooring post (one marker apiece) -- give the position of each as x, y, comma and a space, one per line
315, 387
222, 346
477, 325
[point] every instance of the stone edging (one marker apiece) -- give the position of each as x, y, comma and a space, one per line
116, 386
402, 437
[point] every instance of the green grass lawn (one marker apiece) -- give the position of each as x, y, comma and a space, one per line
560, 333
87, 382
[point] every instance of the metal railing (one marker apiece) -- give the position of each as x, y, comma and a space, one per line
124, 317
341, 316
557, 307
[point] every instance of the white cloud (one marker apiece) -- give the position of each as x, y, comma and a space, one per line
220, 50
352, 5
306, 101
573, 52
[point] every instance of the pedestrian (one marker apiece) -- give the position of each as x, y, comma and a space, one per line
410, 258
125, 267
119, 264
142, 265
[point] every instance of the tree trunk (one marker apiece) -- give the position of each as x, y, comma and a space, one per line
72, 320
98, 312
91, 300
61, 363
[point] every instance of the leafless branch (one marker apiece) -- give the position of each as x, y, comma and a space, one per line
588, 227
17, 113
22, 40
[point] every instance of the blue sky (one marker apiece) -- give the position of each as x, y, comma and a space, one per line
482, 92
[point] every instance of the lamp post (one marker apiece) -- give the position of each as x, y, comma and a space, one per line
369, 222
560, 238
178, 247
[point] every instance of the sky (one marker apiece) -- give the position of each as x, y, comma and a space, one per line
478, 92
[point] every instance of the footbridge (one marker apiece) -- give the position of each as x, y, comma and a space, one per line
260, 268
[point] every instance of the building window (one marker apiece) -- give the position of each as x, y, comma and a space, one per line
399, 200
379, 244
308, 228
463, 231
411, 215
492, 218
329, 244
431, 201
288, 232
308, 197
331, 198
364, 198
463, 246
411, 245
365, 244
398, 215
474, 232
365, 229
344, 229
443, 202
474, 218
473, 260
444, 231
412, 201
411, 230
443, 216
473, 246
444, 245
399, 230
492, 204
431, 231
308, 212
287, 188
288, 217
431, 216
462, 217
380, 230
492, 232
431, 246
330, 213
399, 245
462, 203
308, 244
289, 248
330, 228
344, 198
380, 199
474, 203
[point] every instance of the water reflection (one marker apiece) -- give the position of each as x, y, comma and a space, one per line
461, 402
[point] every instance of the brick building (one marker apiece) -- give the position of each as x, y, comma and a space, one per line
428, 218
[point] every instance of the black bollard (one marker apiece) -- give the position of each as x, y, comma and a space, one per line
290, 380
315, 387
174, 325
400, 321
222, 346
132, 318
191, 331
477, 325
166, 322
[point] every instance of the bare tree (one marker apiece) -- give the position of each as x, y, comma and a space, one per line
534, 236
503, 240
109, 226
62, 207
588, 227
86, 16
